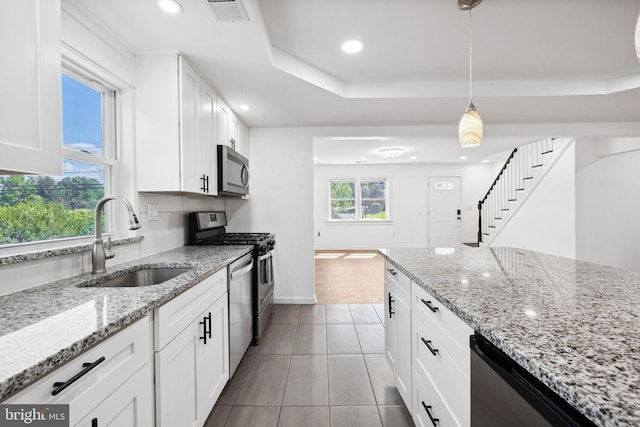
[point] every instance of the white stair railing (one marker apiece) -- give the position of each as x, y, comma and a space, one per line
524, 166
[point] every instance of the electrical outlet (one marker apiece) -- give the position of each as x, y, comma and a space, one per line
153, 212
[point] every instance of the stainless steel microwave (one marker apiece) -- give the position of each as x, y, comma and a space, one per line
233, 173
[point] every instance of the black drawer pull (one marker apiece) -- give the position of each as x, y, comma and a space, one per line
391, 312
206, 323
428, 304
59, 386
433, 351
434, 421
392, 271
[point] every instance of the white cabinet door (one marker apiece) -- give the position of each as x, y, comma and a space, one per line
176, 379
131, 405
398, 330
192, 370
30, 87
189, 133
223, 117
390, 328
175, 127
403, 371
213, 358
207, 165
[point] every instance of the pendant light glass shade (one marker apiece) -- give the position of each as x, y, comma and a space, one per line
638, 38
470, 128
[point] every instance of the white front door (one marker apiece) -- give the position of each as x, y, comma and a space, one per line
444, 212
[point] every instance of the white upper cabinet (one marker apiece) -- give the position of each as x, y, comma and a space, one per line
175, 127
231, 131
31, 100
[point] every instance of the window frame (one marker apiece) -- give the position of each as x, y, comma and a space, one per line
358, 181
114, 225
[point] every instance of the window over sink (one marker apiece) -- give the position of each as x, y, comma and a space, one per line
37, 208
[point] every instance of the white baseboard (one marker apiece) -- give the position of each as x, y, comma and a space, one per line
294, 300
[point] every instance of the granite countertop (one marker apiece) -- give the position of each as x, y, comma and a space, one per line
574, 325
43, 327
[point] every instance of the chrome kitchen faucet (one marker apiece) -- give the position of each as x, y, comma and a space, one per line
98, 255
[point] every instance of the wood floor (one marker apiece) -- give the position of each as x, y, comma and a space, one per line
349, 277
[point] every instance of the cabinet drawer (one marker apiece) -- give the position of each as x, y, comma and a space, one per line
124, 353
172, 317
452, 384
397, 280
452, 333
429, 410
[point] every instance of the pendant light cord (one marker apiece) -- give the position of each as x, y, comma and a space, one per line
470, 59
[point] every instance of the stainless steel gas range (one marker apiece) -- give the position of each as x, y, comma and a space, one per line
208, 228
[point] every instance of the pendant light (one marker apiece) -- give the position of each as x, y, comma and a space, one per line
638, 38
470, 128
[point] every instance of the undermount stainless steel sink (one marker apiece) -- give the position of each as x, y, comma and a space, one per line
144, 277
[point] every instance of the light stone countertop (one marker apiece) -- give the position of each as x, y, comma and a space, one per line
43, 327
574, 325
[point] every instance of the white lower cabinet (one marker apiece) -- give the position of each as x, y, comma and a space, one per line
110, 382
398, 330
427, 347
193, 368
131, 405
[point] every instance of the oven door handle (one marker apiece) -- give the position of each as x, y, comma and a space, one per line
265, 256
242, 271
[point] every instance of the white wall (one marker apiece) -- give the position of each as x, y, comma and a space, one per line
408, 204
281, 202
546, 221
608, 206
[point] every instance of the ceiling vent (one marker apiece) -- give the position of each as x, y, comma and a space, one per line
228, 10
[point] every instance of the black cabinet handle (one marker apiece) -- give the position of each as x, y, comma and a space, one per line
391, 312
206, 323
94, 422
428, 304
59, 386
392, 271
434, 421
204, 186
433, 351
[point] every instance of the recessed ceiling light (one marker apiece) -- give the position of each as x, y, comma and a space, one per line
390, 152
170, 6
352, 46
485, 161
315, 159
463, 157
245, 107
414, 157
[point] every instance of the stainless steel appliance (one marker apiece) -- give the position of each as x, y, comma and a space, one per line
240, 275
503, 394
208, 228
233, 172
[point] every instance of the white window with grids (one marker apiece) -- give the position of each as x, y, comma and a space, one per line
43, 208
359, 199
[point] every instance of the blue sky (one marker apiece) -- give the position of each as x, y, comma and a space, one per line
82, 126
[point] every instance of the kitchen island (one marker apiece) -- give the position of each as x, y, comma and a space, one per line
43, 327
574, 325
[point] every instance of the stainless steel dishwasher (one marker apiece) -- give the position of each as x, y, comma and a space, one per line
240, 309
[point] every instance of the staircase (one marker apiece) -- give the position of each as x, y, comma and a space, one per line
521, 173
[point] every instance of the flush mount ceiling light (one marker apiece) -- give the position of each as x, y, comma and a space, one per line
245, 107
390, 152
170, 6
470, 128
352, 46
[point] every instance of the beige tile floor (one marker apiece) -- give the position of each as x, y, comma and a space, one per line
317, 366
